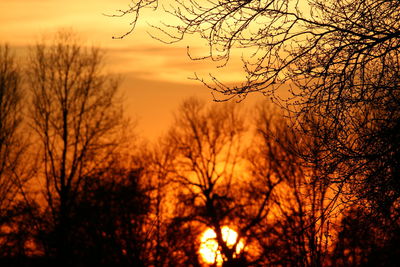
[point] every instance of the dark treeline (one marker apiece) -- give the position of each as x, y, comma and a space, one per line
77, 189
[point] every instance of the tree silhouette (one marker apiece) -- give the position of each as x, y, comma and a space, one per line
207, 146
158, 167
77, 120
326, 42
108, 219
299, 199
340, 60
10, 118
279, 204
365, 240
13, 176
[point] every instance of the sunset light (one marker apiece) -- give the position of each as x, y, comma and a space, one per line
219, 133
209, 246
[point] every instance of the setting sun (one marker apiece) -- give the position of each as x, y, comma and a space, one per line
209, 246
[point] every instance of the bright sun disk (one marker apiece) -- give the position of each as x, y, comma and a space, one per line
209, 245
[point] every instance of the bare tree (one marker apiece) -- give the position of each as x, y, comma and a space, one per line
363, 241
205, 143
269, 197
318, 40
109, 218
273, 199
77, 119
340, 60
158, 162
12, 156
10, 119
300, 199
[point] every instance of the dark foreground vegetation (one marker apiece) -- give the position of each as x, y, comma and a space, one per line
312, 181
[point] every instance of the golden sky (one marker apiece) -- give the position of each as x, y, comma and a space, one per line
155, 74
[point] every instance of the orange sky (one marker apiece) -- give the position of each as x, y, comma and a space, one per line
155, 74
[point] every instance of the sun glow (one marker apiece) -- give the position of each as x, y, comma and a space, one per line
209, 246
